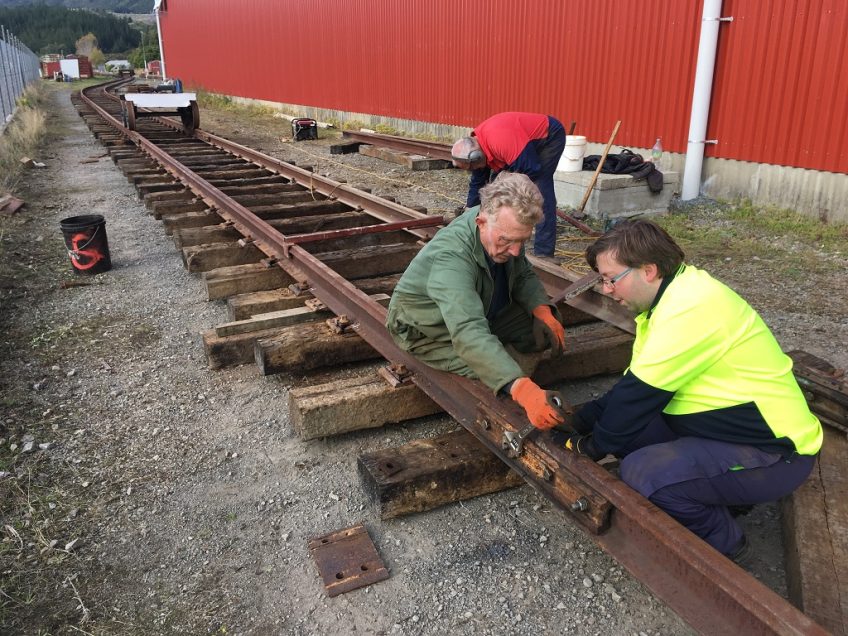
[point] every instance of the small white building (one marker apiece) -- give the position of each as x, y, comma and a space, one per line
118, 65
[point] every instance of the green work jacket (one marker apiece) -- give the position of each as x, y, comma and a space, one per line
444, 296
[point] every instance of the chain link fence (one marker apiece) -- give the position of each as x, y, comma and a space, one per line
19, 67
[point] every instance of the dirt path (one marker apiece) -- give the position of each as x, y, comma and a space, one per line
189, 496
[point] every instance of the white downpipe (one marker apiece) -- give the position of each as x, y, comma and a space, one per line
161, 50
710, 22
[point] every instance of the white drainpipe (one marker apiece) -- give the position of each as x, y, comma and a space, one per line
159, 33
710, 21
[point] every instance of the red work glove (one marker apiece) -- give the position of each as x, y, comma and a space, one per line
534, 400
546, 325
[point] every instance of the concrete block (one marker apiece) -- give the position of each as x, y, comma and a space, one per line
614, 195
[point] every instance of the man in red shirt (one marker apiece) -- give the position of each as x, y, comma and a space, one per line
528, 143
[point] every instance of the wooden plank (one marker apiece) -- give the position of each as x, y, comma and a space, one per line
246, 305
235, 174
330, 408
153, 198
815, 531
428, 473
162, 208
590, 349
219, 233
413, 162
308, 347
352, 404
235, 350
298, 209
145, 189
237, 188
204, 217
204, 258
250, 200
233, 343
239, 279
368, 262
345, 148
282, 318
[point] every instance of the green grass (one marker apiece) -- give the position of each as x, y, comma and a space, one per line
797, 244
783, 222
214, 101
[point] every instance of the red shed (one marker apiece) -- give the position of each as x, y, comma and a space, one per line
85, 69
49, 69
778, 91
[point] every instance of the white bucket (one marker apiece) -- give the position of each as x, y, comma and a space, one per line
572, 155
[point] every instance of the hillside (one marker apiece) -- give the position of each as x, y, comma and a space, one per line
54, 29
117, 6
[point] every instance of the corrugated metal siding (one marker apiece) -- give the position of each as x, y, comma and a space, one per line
779, 97
780, 92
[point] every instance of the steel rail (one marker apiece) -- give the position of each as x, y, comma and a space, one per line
429, 149
381, 208
707, 590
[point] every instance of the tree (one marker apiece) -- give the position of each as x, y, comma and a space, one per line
96, 58
86, 44
149, 49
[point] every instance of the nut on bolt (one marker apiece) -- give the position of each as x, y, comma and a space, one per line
580, 505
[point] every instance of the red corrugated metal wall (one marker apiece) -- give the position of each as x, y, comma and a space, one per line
780, 93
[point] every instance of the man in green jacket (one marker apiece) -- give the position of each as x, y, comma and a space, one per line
471, 292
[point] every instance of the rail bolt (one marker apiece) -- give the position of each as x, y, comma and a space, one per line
581, 505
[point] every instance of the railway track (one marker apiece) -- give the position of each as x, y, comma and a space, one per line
252, 223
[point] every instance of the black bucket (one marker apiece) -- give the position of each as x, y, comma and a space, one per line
85, 239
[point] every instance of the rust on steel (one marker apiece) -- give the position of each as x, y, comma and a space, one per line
429, 149
706, 589
300, 239
555, 280
347, 560
375, 206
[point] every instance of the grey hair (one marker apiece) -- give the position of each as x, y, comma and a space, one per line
514, 190
462, 149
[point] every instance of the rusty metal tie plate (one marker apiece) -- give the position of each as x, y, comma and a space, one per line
347, 560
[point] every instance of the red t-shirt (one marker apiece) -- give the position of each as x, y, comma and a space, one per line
504, 136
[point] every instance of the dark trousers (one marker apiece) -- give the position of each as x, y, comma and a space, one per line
694, 479
549, 153
513, 326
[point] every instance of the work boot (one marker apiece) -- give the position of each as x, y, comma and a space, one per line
742, 554
740, 511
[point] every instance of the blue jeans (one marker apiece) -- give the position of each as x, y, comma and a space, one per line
549, 151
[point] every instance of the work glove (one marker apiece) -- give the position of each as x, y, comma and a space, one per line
538, 403
547, 328
584, 445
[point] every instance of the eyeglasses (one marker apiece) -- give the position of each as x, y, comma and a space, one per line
610, 282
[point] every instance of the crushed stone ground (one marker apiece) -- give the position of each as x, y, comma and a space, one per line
188, 494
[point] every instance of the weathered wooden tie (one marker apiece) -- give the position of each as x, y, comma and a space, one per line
814, 519
352, 404
309, 347
233, 343
244, 306
594, 349
413, 162
428, 473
